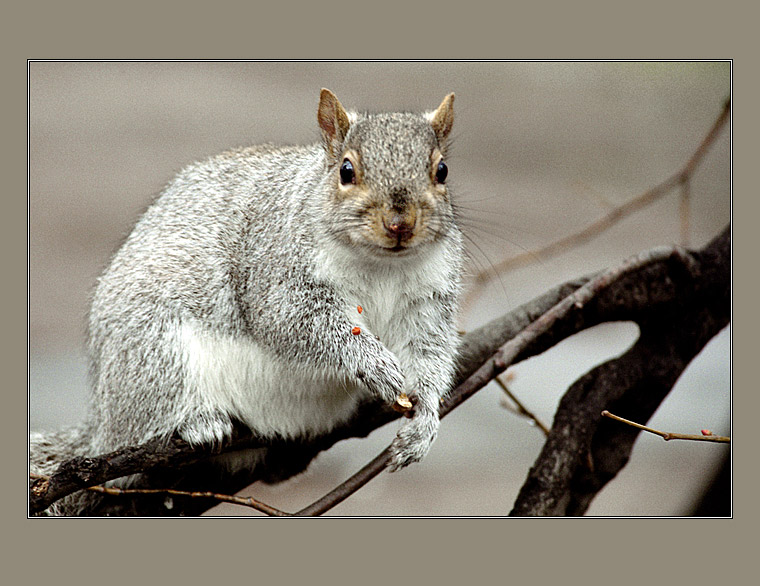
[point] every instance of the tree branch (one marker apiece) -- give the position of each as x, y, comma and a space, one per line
83, 472
519, 408
582, 452
669, 435
222, 498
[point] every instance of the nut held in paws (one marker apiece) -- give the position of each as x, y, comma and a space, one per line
402, 403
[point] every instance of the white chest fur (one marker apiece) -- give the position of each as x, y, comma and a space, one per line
387, 290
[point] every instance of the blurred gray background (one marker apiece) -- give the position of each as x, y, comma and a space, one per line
541, 150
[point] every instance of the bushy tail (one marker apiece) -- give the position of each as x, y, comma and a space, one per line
47, 450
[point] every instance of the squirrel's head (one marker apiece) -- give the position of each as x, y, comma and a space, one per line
387, 176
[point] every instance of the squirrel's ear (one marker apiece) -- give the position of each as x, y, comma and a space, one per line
443, 119
333, 121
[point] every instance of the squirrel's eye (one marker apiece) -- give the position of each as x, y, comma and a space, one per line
347, 174
441, 172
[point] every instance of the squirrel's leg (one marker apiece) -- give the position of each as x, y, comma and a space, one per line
317, 332
416, 435
429, 361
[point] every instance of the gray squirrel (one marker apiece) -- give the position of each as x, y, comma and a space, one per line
279, 287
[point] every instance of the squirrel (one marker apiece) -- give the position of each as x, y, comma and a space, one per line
278, 287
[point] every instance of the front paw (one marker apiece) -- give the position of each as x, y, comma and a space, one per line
383, 377
413, 440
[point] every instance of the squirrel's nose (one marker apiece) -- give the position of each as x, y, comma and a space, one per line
399, 226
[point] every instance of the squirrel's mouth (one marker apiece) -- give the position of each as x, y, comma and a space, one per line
397, 250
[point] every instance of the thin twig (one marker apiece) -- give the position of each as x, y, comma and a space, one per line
245, 501
587, 191
521, 409
684, 208
349, 487
669, 435
608, 220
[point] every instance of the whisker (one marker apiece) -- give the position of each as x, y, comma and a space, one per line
484, 267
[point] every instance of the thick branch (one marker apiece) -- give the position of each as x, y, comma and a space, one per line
82, 472
583, 452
